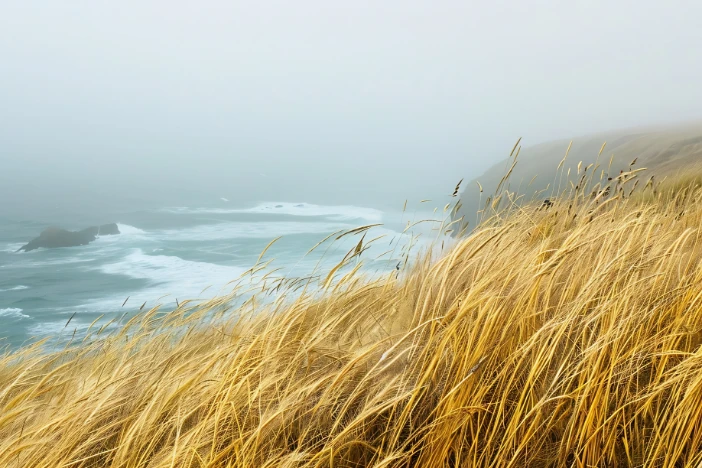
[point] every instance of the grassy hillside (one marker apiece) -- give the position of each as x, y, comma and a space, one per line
567, 336
664, 152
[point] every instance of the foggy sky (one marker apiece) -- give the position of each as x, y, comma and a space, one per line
362, 102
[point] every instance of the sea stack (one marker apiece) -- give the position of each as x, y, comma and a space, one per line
55, 237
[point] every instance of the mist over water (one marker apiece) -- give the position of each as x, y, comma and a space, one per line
128, 105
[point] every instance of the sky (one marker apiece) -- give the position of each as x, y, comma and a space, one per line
332, 102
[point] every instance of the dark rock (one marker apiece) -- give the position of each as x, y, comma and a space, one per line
108, 229
54, 237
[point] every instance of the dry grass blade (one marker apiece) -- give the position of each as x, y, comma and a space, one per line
567, 336
560, 164
358, 230
515, 146
263, 252
458, 186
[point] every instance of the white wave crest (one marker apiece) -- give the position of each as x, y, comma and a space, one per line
57, 328
166, 276
262, 230
16, 288
55, 262
12, 312
165, 269
342, 212
306, 209
127, 235
126, 229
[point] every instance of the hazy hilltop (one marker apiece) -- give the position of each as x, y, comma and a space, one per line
662, 151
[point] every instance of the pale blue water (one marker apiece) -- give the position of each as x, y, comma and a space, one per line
172, 252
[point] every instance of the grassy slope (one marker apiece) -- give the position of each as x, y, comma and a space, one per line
665, 151
567, 336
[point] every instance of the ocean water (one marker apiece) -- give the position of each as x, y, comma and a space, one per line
176, 253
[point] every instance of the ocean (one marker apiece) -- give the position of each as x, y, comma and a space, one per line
176, 253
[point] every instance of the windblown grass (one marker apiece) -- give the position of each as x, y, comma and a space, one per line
566, 336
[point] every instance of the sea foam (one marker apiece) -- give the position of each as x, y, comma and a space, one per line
16, 288
12, 312
165, 275
241, 230
342, 212
126, 229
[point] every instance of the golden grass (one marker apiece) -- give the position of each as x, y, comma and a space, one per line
567, 336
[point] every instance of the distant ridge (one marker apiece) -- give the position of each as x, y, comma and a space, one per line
664, 151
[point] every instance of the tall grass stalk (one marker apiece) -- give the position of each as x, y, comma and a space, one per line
567, 336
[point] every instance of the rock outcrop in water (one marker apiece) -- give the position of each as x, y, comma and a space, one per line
54, 237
